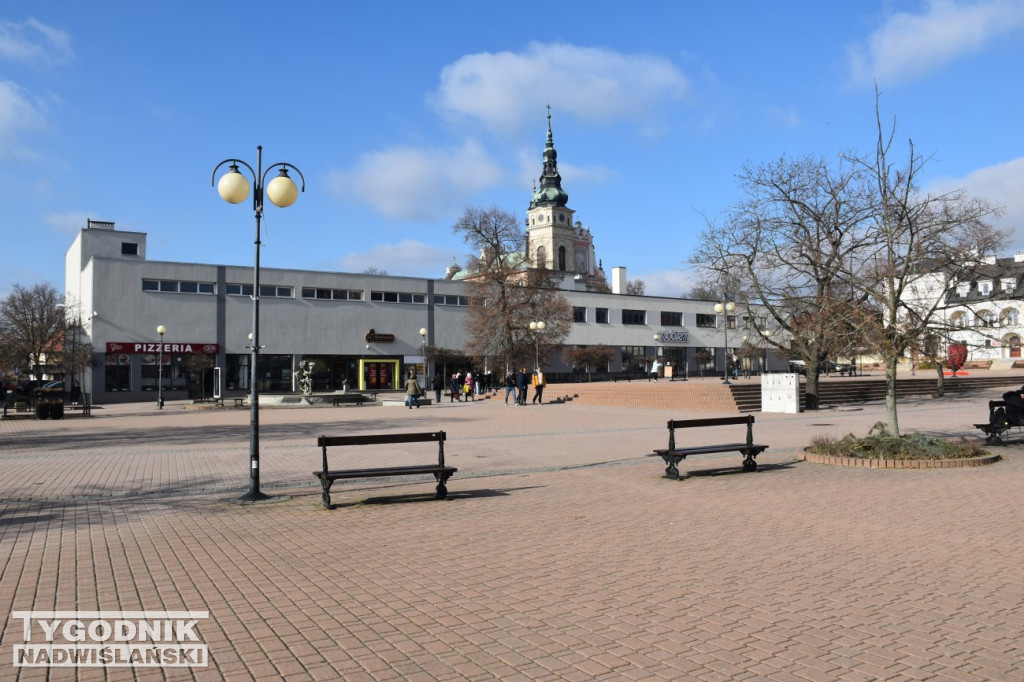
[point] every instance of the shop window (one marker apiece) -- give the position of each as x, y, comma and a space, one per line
117, 373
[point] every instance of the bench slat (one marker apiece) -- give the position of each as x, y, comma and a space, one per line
380, 439
702, 449
712, 421
386, 471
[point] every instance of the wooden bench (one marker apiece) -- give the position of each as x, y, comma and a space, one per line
440, 472
673, 455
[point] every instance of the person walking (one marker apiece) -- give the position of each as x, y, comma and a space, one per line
438, 386
538, 386
470, 387
510, 387
521, 384
412, 391
655, 366
454, 388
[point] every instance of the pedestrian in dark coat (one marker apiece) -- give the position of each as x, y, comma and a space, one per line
438, 385
521, 383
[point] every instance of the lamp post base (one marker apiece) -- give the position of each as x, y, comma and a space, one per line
254, 496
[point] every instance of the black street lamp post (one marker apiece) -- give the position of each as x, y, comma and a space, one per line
233, 188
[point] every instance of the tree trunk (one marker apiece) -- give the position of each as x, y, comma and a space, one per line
812, 387
892, 424
940, 381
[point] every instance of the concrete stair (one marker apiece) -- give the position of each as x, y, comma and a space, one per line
846, 391
744, 395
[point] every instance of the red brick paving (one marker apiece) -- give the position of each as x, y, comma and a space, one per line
562, 553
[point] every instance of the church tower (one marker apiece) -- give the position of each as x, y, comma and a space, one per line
554, 241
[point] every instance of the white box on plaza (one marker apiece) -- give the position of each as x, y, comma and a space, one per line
780, 393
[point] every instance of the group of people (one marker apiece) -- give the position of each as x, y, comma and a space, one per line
517, 385
465, 387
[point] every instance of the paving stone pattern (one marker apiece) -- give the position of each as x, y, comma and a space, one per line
562, 554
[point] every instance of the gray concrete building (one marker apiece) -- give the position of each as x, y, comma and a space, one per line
364, 330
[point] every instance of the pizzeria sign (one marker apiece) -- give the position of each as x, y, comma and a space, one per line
132, 347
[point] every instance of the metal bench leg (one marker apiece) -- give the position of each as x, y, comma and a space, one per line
749, 463
325, 499
672, 471
442, 489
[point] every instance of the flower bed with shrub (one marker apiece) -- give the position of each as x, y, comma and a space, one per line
879, 450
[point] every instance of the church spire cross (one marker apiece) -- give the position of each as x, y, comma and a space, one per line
551, 191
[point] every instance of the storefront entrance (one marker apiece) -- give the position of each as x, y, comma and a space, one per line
378, 375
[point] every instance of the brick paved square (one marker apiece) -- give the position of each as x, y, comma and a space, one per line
561, 553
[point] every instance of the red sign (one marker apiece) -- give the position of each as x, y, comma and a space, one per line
132, 347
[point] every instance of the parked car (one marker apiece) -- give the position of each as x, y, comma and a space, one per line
25, 388
827, 367
53, 388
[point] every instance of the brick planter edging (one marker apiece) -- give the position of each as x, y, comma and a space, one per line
898, 463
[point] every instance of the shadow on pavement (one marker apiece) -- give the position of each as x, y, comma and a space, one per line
429, 497
728, 471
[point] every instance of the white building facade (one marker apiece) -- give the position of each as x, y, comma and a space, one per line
363, 330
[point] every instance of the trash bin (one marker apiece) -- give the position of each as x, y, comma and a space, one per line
57, 409
42, 409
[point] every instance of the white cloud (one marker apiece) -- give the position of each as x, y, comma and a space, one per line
407, 258
1001, 185
908, 45
69, 222
788, 118
671, 283
19, 111
418, 183
34, 43
504, 90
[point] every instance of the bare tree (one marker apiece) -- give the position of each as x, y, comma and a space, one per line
922, 244
589, 357
636, 287
32, 327
197, 364
505, 295
783, 250
374, 270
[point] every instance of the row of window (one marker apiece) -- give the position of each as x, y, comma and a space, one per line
175, 286
985, 286
668, 319
579, 313
275, 291
987, 318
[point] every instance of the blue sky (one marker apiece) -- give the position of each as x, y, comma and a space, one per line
402, 114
